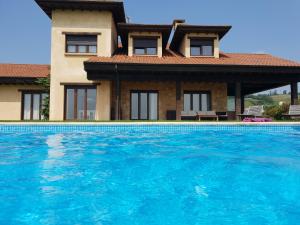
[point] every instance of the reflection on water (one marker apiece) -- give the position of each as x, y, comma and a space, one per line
56, 152
56, 148
200, 190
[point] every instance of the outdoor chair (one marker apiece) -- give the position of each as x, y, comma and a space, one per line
222, 115
253, 111
188, 115
207, 115
294, 112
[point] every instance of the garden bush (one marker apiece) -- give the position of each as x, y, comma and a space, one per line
276, 111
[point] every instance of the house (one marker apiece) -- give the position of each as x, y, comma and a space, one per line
20, 96
103, 68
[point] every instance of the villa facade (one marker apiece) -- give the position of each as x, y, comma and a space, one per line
103, 68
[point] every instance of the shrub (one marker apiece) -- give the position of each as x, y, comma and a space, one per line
276, 111
45, 83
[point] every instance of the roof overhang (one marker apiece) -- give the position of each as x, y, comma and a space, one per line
254, 78
18, 80
104, 67
183, 29
98, 71
125, 28
116, 7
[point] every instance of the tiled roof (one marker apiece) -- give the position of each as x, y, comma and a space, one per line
170, 57
24, 70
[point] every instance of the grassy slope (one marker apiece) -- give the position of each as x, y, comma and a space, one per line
276, 99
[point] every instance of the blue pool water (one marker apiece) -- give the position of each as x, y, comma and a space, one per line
144, 175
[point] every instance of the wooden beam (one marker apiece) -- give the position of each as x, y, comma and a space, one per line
294, 93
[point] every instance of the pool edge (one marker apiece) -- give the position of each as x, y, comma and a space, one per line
150, 123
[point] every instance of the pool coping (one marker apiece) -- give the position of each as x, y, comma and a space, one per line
150, 123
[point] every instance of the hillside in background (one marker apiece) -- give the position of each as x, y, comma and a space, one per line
267, 100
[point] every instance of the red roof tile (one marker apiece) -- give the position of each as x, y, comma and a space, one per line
170, 57
24, 70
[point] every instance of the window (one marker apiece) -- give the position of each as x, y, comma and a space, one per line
81, 44
80, 103
231, 103
145, 46
32, 105
144, 105
200, 47
197, 101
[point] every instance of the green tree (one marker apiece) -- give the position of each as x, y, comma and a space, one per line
45, 84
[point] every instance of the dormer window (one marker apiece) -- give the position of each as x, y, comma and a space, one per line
145, 46
202, 47
84, 44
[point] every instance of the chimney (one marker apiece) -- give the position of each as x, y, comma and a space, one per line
176, 22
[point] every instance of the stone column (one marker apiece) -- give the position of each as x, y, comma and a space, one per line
294, 93
238, 99
117, 98
242, 103
178, 99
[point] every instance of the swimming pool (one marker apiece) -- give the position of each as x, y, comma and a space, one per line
144, 175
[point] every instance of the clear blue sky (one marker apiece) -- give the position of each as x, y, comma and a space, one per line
259, 26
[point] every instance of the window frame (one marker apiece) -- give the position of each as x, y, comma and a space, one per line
134, 38
139, 92
32, 93
78, 45
209, 100
201, 46
85, 104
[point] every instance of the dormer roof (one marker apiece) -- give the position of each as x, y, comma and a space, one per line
183, 29
116, 7
125, 28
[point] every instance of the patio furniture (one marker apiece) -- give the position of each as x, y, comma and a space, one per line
253, 111
207, 115
222, 115
294, 112
188, 115
171, 114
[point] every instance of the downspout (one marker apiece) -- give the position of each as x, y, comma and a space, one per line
117, 93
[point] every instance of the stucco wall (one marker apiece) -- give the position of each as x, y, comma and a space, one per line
69, 68
167, 95
103, 106
11, 100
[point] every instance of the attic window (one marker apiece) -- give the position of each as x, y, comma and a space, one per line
81, 44
202, 47
145, 46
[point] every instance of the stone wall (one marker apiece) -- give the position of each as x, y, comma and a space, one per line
167, 95
218, 93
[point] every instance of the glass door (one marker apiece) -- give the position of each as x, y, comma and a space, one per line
32, 105
197, 101
144, 105
80, 103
